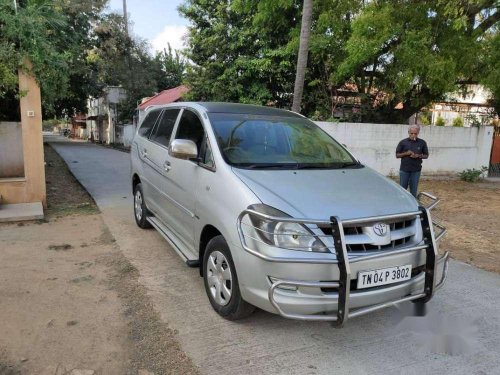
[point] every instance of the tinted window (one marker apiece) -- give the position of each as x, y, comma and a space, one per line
148, 123
206, 154
190, 127
279, 142
163, 130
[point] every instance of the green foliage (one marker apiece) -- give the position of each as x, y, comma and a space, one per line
76, 51
381, 52
458, 122
440, 121
473, 175
52, 35
169, 68
473, 120
424, 118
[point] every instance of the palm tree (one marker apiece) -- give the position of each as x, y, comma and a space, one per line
305, 31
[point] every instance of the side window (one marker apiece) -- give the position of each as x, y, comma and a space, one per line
206, 154
148, 123
190, 127
163, 130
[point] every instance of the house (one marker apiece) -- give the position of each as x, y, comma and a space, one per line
102, 116
79, 126
472, 105
164, 97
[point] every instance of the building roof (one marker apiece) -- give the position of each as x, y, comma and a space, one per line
165, 97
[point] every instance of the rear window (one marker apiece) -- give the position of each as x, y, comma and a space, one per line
148, 123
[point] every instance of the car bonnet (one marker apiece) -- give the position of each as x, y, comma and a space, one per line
320, 194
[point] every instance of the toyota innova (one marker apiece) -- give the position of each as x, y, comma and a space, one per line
280, 216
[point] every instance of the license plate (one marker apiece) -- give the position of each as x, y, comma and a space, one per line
383, 276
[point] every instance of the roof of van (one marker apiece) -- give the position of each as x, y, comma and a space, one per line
216, 107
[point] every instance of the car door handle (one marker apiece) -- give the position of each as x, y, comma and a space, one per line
144, 153
167, 166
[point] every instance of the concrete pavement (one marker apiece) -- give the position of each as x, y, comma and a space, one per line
460, 334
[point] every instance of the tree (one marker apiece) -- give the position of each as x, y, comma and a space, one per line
169, 68
383, 54
414, 52
238, 56
52, 35
302, 57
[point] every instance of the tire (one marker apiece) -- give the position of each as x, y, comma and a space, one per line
221, 281
140, 210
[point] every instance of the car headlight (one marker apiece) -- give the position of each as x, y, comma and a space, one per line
287, 235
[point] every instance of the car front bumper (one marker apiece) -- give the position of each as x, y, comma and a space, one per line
320, 288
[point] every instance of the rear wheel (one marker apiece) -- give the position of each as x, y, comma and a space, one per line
221, 281
140, 210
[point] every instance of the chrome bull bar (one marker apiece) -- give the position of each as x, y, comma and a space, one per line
343, 261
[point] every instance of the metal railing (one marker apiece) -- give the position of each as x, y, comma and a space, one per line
338, 255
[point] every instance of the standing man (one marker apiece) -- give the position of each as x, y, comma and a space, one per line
411, 151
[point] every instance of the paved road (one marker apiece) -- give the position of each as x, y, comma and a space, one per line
460, 334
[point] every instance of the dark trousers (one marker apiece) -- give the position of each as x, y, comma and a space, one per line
409, 178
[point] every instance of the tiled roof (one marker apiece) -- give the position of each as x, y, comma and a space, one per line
165, 97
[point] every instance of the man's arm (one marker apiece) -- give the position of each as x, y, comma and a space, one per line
400, 153
409, 153
423, 155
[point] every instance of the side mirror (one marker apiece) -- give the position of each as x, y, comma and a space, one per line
183, 149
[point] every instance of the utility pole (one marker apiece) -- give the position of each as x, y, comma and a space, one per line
125, 19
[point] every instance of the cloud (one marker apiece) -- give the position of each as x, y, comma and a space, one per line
172, 34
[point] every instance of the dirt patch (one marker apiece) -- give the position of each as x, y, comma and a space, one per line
65, 195
155, 346
55, 315
471, 213
70, 301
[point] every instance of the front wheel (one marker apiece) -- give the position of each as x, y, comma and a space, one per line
140, 210
221, 281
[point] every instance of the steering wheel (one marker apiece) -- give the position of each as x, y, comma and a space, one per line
233, 148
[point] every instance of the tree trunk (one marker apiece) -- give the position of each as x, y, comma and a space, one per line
305, 31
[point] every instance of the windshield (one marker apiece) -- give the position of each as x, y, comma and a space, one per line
250, 141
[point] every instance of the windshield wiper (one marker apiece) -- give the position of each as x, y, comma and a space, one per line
351, 165
265, 165
328, 165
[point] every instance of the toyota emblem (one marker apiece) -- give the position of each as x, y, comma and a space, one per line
380, 229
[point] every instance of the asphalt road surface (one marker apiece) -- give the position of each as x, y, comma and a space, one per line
459, 335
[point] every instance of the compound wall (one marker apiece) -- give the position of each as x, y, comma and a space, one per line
451, 149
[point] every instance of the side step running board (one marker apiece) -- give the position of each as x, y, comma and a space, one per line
165, 233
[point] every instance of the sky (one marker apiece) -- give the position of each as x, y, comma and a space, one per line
158, 21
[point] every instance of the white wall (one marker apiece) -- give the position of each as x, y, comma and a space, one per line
128, 134
11, 150
451, 149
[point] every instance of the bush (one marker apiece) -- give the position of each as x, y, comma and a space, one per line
440, 121
458, 122
424, 119
473, 175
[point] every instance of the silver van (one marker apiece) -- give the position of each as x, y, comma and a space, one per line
280, 216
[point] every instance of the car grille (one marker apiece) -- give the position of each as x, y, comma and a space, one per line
357, 240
